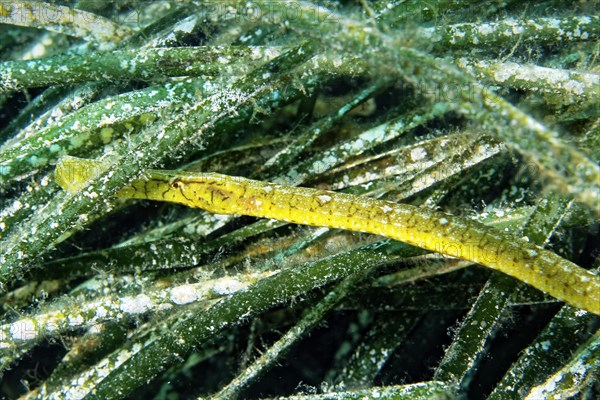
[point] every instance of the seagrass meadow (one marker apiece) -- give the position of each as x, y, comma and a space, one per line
468, 131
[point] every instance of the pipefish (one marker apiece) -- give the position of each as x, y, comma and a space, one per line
425, 228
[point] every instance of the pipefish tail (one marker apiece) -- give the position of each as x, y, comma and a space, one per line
428, 229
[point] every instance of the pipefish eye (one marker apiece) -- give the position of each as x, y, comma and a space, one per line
176, 183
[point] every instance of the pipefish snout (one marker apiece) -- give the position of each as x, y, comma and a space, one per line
428, 229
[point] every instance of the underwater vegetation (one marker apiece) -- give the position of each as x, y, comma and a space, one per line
468, 131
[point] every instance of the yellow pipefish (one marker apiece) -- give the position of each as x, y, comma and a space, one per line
428, 229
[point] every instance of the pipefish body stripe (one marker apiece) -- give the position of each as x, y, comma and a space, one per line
428, 229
